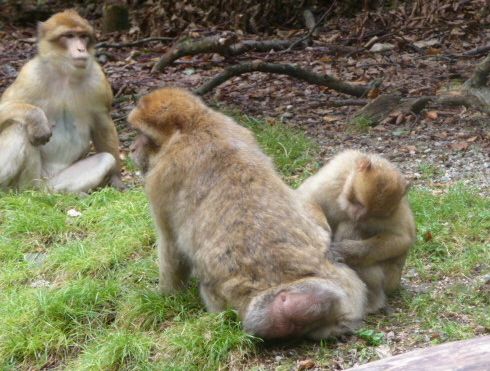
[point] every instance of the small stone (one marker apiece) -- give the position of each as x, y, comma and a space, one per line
381, 47
40, 283
383, 351
35, 260
74, 213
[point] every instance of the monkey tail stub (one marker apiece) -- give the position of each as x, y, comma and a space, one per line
291, 311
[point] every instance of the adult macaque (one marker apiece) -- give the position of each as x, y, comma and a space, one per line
59, 104
223, 213
363, 197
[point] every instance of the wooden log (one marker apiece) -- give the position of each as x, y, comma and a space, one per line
465, 355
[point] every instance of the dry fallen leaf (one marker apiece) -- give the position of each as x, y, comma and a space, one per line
399, 119
330, 118
410, 149
373, 93
460, 146
433, 51
431, 115
427, 236
306, 364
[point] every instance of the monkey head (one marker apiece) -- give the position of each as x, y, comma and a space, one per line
158, 117
372, 190
67, 39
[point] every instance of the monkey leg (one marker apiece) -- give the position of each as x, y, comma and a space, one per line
291, 310
173, 268
374, 278
20, 161
84, 175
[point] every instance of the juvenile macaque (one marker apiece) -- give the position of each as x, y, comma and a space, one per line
363, 198
224, 215
59, 104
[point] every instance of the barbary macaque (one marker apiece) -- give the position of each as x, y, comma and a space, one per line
363, 197
225, 216
57, 106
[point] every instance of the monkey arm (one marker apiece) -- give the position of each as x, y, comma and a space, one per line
105, 139
371, 250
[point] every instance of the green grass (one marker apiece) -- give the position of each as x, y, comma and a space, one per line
92, 303
428, 171
293, 152
361, 124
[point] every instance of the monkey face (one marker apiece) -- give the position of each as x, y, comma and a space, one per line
142, 149
76, 45
68, 39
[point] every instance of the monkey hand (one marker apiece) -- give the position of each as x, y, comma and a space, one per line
334, 255
350, 252
117, 183
39, 130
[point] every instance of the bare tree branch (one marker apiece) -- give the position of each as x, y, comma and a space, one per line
283, 69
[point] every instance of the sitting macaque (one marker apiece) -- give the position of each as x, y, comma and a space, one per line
57, 106
224, 215
363, 197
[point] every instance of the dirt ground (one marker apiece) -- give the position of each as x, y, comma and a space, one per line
438, 147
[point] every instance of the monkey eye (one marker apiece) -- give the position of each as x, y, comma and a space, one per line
69, 35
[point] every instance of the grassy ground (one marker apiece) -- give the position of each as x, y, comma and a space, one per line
78, 280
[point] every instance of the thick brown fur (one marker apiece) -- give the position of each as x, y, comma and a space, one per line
225, 216
363, 198
66, 84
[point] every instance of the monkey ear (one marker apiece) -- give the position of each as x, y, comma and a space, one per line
364, 164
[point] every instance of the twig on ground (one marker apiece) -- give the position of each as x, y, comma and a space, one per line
283, 69
131, 43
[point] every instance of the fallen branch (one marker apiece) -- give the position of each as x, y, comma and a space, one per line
477, 51
283, 69
131, 43
346, 102
385, 105
223, 45
211, 44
